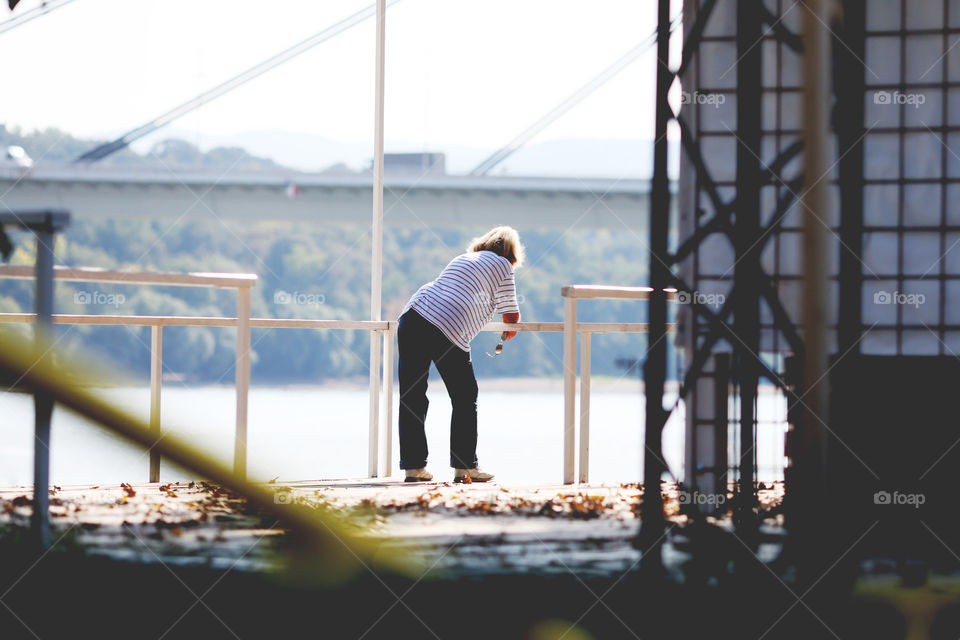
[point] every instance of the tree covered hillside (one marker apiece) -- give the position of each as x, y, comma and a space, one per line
318, 272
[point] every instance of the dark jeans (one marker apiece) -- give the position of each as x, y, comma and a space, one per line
421, 343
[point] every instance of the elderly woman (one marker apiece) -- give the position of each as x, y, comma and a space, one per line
437, 326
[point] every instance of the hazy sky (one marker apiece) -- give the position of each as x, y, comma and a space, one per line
458, 72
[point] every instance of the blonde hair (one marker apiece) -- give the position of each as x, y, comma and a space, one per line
503, 241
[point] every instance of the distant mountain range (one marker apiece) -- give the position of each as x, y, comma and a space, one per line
308, 152
313, 153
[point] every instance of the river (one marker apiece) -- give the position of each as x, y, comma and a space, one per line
299, 433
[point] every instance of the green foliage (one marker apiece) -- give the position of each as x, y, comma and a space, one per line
326, 273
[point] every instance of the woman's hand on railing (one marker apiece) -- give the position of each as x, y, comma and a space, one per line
510, 318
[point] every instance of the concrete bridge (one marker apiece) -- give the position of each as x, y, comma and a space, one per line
95, 191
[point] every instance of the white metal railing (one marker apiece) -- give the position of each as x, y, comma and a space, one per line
571, 327
241, 282
243, 323
382, 331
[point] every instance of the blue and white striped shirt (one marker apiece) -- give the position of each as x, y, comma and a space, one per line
466, 294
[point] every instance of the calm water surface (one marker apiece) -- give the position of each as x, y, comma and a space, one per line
321, 433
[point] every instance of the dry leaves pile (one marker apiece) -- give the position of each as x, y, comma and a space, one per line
174, 521
611, 501
201, 520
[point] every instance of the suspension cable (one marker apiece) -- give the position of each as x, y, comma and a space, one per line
570, 102
32, 14
238, 80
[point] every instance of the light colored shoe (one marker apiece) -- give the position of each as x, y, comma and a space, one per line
418, 475
471, 475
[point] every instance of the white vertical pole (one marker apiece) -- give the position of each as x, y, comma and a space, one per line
373, 437
156, 380
376, 258
243, 380
388, 337
585, 407
569, 385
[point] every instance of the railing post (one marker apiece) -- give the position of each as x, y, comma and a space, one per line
388, 337
156, 378
376, 250
373, 457
243, 381
42, 402
585, 406
569, 384
652, 518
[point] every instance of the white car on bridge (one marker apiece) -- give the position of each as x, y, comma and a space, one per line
15, 157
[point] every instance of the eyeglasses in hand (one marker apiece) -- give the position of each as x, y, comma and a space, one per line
499, 348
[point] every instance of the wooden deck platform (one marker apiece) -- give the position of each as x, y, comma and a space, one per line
485, 528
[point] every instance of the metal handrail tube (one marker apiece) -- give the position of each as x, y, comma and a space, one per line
385, 328
570, 327
241, 282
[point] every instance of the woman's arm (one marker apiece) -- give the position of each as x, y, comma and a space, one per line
510, 318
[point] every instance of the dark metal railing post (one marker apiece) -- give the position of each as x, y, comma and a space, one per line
850, 86
42, 402
721, 421
655, 369
44, 225
747, 273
